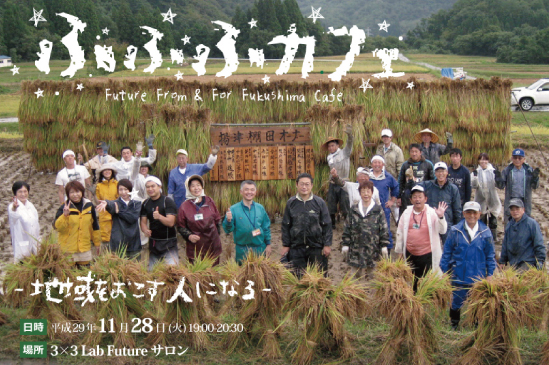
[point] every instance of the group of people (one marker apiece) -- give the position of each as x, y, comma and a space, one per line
438, 226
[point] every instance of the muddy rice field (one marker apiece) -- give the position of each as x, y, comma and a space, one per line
15, 165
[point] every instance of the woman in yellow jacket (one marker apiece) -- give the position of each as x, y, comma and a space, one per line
107, 189
77, 224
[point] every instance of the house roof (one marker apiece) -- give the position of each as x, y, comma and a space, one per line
5, 57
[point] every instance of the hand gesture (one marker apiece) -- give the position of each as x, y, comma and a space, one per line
333, 172
194, 238
80, 158
215, 150
229, 215
150, 140
101, 206
448, 135
348, 129
15, 204
156, 214
326, 251
389, 204
66, 209
268, 250
147, 232
442, 206
535, 174
138, 153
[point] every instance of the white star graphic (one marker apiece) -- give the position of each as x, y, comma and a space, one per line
39, 93
37, 17
383, 26
133, 194
266, 79
316, 14
179, 75
15, 70
105, 31
186, 40
365, 85
410, 85
253, 23
80, 87
168, 16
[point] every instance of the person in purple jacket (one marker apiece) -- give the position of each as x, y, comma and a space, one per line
184, 170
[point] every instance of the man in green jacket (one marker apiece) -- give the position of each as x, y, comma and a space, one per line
249, 222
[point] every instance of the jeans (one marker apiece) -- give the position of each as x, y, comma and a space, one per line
171, 257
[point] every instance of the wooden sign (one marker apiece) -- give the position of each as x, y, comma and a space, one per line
262, 153
258, 136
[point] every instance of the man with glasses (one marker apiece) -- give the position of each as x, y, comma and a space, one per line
518, 179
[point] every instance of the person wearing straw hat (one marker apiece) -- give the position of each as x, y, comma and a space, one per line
160, 212
416, 169
518, 179
523, 244
442, 190
107, 189
418, 234
362, 175
249, 223
391, 153
71, 172
430, 148
126, 163
183, 170
98, 160
469, 255
198, 222
339, 159
387, 186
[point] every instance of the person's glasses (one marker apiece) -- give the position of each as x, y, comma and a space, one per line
517, 157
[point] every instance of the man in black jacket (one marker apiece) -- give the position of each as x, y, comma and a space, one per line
306, 228
420, 170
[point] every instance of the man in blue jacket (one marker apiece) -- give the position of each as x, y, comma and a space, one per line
178, 176
523, 242
442, 190
469, 255
387, 186
250, 224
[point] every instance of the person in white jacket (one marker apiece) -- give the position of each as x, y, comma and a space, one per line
362, 175
23, 219
418, 234
126, 163
484, 181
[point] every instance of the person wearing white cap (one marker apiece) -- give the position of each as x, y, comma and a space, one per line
126, 164
418, 234
430, 149
387, 187
161, 213
71, 172
442, 190
351, 188
469, 255
391, 153
184, 170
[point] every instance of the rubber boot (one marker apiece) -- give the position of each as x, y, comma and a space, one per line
333, 216
455, 315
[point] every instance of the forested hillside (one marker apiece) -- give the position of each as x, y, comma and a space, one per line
515, 31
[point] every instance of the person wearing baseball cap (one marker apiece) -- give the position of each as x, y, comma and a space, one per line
71, 172
418, 234
468, 255
523, 244
391, 153
98, 160
442, 190
518, 179
430, 149
340, 160
184, 170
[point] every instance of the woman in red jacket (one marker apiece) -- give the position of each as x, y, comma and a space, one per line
198, 222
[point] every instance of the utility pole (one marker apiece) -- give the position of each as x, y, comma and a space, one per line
367, 32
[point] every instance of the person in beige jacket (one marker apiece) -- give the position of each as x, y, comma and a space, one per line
394, 158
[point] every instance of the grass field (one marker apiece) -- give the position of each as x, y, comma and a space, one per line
485, 67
